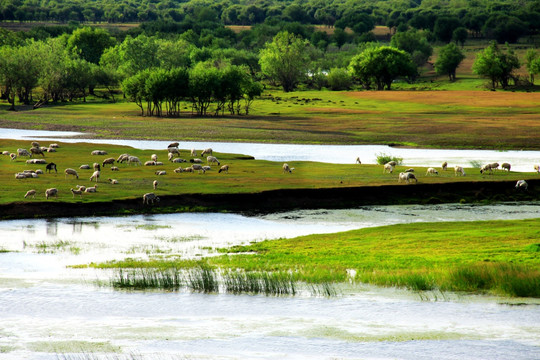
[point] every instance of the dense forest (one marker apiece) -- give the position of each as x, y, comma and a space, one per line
219, 55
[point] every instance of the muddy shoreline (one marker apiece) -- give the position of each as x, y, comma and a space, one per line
283, 200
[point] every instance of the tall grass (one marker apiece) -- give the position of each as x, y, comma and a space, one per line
383, 158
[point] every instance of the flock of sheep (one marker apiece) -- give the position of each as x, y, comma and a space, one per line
148, 198
197, 164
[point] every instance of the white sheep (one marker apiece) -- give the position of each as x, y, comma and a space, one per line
206, 168
193, 153
95, 176
76, 192
287, 168
153, 157
19, 176
122, 158
459, 171
388, 168
188, 169
431, 171
159, 163
97, 167
208, 151
34, 144
173, 145
115, 168
178, 170
81, 187
522, 184
54, 146
393, 163
99, 152
70, 171
173, 150
36, 151
537, 168
407, 177
506, 166
155, 184
179, 160
39, 172
23, 152
170, 156
36, 161
51, 192
224, 168
31, 193
212, 160
91, 189
494, 166
51, 149
113, 181
198, 167
84, 167
411, 170
150, 163
486, 168
134, 160
195, 161
161, 172
13, 156
150, 198
5, 152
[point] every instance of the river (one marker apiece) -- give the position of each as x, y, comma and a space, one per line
50, 311
522, 161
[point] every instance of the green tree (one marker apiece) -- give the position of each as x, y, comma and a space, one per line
285, 60
460, 36
339, 79
496, 65
415, 44
381, 65
448, 61
444, 28
532, 63
203, 79
89, 43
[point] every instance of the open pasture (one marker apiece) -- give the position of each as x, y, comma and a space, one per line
434, 119
245, 174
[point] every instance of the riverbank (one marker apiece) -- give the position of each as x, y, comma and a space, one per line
283, 200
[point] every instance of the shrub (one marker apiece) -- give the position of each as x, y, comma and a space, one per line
339, 79
384, 158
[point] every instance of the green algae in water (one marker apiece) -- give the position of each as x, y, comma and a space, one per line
60, 347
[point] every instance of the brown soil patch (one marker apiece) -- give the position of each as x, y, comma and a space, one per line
238, 28
460, 98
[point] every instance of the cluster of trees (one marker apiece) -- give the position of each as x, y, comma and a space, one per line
230, 89
503, 20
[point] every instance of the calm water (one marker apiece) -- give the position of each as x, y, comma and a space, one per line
341, 154
48, 309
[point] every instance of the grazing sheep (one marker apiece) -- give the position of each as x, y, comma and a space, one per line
5, 152
149, 198
178, 170
122, 158
173, 150
92, 189
207, 152
34, 144
113, 181
179, 160
51, 192
21, 176
99, 152
193, 153
432, 171
95, 176
134, 160
50, 149
358, 160
388, 168
51, 166
13, 156
54, 146
494, 166
224, 168
522, 185
198, 167
155, 184
206, 168
159, 163
287, 168
84, 167
537, 168
39, 172
76, 192
407, 177
115, 168
97, 167
195, 161
485, 168
153, 157
458, 171
36, 161
212, 160
392, 163
43, 148
170, 156
161, 172
31, 193
81, 187
506, 166
150, 163
444, 166
188, 169
23, 152
108, 161
173, 145
411, 170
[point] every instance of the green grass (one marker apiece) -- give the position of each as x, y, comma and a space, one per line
497, 257
245, 176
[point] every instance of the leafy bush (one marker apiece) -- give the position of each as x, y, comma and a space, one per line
383, 158
339, 79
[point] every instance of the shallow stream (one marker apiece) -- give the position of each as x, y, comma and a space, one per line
48, 309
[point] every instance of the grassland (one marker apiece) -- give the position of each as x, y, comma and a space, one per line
246, 176
497, 257
439, 119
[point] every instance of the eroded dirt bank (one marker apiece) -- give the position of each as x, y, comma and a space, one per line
282, 200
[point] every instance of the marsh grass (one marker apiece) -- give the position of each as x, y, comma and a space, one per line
45, 247
148, 278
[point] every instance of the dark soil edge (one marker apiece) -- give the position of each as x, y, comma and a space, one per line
285, 200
